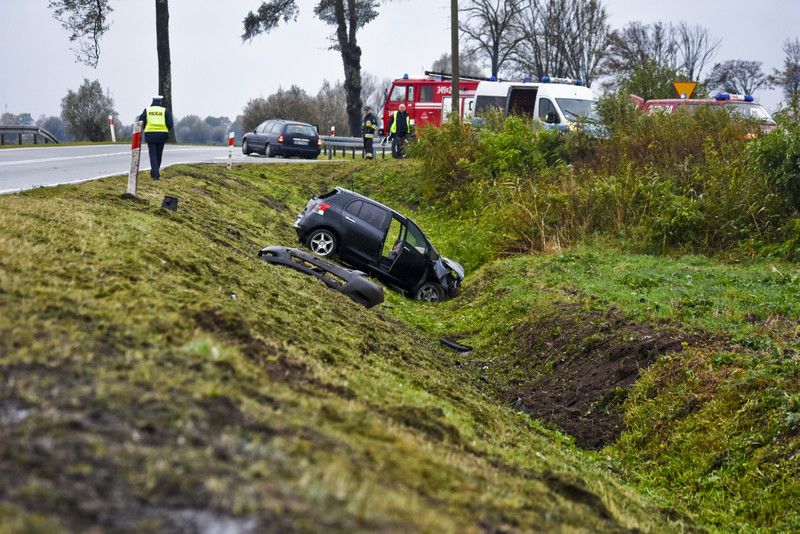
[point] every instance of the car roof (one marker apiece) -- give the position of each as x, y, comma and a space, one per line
372, 200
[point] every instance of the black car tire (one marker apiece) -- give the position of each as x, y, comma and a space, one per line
430, 292
268, 151
245, 148
322, 242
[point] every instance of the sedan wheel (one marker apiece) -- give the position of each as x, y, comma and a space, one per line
269, 152
322, 243
430, 292
245, 148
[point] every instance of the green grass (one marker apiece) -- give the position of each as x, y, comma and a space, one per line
153, 366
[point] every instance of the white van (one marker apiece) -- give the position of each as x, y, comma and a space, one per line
556, 101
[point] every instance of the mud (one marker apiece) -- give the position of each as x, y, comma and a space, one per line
575, 369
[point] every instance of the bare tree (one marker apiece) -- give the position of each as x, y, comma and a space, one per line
346, 16
738, 76
488, 27
88, 21
637, 44
565, 38
789, 77
696, 47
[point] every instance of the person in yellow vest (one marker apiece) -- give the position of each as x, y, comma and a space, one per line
157, 124
400, 127
369, 125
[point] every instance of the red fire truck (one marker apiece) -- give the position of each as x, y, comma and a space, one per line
427, 97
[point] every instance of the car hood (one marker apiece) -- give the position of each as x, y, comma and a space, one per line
455, 266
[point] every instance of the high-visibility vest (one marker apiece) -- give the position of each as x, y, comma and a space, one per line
394, 123
156, 119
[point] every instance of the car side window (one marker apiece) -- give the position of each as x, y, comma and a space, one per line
276, 127
371, 214
263, 127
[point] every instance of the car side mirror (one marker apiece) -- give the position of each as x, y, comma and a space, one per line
551, 117
434, 255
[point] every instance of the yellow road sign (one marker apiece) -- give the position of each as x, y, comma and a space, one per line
685, 89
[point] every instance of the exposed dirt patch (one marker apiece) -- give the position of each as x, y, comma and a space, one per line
574, 369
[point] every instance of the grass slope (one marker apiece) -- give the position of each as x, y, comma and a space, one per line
157, 377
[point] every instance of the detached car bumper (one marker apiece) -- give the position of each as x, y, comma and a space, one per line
346, 281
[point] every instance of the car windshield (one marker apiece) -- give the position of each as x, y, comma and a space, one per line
577, 109
752, 111
300, 129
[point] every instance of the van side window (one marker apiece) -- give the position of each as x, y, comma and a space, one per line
398, 93
426, 93
485, 103
410, 93
546, 106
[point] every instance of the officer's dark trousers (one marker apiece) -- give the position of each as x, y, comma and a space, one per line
368, 150
397, 145
156, 150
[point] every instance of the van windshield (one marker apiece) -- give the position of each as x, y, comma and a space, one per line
577, 109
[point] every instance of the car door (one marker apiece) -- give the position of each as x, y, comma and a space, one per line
364, 226
410, 264
259, 140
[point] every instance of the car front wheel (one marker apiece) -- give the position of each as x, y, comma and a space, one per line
430, 292
245, 148
322, 242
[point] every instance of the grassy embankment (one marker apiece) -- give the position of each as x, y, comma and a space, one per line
157, 373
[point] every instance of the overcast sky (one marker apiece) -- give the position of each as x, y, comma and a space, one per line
215, 73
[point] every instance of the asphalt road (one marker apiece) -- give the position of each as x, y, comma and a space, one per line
49, 165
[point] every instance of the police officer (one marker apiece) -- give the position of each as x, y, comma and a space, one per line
369, 124
157, 124
400, 127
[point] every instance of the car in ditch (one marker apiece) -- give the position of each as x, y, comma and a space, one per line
378, 240
279, 137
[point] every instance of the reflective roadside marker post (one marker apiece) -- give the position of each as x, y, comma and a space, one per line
136, 147
230, 150
111, 125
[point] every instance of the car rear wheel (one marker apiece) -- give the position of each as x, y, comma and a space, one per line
269, 152
430, 292
322, 242
245, 148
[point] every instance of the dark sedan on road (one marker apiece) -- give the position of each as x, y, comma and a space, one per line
279, 137
380, 241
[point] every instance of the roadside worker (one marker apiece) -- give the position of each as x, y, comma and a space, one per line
400, 127
369, 124
157, 124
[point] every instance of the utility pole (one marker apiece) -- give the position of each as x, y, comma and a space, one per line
454, 55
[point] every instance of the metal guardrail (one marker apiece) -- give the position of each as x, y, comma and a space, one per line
332, 144
20, 130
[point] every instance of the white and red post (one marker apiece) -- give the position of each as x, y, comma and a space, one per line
136, 147
111, 125
230, 150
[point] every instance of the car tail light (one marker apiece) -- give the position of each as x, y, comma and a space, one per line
280, 139
319, 208
319, 143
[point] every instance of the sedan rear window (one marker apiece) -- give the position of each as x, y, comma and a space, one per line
300, 129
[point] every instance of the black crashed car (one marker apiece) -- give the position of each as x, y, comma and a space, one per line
380, 241
279, 137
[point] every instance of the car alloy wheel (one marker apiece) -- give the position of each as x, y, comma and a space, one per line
430, 292
322, 243
245, 148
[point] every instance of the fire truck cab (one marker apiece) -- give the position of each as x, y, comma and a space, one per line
428, 99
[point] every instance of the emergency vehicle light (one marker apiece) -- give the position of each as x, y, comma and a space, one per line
726, 96
405, 76
570, 81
